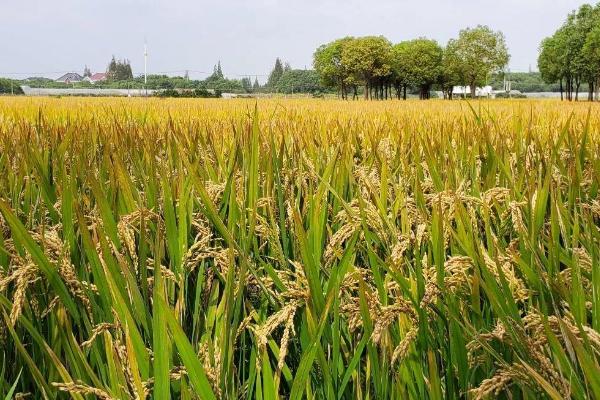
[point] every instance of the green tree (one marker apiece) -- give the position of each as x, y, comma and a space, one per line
247, 84
299, 81
477, 53
400, 56
550, 63
418, 62
275, 74
369, 62
217, 74
591, 51
119, 70
327, 61
570, 54
450, 73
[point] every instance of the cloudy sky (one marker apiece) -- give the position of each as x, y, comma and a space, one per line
41, 37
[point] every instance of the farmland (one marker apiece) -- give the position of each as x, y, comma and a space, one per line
299, 249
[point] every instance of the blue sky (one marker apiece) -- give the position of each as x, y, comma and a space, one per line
51, 37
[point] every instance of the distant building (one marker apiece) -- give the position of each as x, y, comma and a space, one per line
465, 91
97, 77
70, 77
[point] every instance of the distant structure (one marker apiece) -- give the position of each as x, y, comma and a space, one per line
465, 91
70, 77
97, 77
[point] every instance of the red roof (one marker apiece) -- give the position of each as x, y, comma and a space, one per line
98, 76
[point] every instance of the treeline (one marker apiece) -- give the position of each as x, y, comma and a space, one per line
571, 56
382, 70
10, 86
525, 82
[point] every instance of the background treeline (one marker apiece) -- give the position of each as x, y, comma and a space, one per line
571, 56
282, 79
380, 69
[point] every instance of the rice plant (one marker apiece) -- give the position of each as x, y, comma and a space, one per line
300, 249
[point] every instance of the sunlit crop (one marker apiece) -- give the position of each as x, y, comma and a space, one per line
299, 249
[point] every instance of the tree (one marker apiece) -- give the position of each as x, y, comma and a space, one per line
569, 55
368, 61
247, 84
256, 85
450, 74
217, 74
591, 51
327, 61
477, 53
275, 74
400, 56
419, 63
86, 72
119, 70
299, 81
549, 62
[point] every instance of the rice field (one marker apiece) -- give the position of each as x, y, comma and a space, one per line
227, 249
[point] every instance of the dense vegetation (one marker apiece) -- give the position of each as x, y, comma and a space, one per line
200, 249
287, 81
571, 56
9, 86
525, 82
381, 68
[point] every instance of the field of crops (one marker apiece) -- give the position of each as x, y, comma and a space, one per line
299, 249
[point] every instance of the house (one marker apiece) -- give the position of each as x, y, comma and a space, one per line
70, 77
97, 77
465, 91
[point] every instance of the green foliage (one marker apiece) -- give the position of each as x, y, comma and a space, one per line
476, 54
119, 70
368, 60
217, 74
299, 81
377, 65
195, 93
327, 61
525, 82
418, 63
275, 74
10, 86
570, 56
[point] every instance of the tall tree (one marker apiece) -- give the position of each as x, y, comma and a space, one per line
479, 52
400, 55
591, 51
550, 62
119, 70
368, 60
86, 72
450, 73
569, 56
418, 62
275, 74
246, 84
327, 61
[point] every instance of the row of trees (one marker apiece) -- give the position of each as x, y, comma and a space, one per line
572, 55
382, 68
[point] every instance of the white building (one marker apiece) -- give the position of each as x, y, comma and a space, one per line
465, 91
